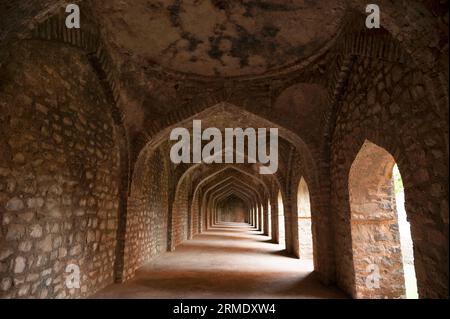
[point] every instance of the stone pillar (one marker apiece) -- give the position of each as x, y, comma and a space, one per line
266, 219
289, 227
275, 229
253, 217
209, 214
294, 245
190, 221
260, 218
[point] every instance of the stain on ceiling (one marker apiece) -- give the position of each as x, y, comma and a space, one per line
219, 37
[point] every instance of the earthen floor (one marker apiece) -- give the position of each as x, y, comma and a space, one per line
229, 261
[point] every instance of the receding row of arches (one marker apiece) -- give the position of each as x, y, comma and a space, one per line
113, 204
206, 195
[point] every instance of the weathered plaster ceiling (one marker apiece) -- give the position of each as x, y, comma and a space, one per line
218, 37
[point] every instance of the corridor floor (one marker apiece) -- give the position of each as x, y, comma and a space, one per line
230, 261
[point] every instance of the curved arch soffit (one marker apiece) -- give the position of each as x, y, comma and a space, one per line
211, 176
216, 169
228, 111
211, 192
232, 182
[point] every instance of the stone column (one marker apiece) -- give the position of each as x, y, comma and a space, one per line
266, 219
289, 227
260, 218
275, 229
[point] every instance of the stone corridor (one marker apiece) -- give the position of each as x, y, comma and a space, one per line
231, 260
93, 204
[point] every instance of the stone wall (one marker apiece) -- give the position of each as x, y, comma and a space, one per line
196, 218
375, 233
147, 216
180, 215
58, 174
393, 106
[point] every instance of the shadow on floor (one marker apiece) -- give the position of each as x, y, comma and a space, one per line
224, 262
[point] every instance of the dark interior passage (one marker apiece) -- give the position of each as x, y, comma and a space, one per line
233, 209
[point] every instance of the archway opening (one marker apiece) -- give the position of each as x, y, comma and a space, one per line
376, 239
405, 236
281, 226
304, 221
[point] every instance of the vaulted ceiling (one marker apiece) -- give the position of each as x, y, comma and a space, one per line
221, 38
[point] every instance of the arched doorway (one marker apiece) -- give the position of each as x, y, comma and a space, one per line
376, 238
304, 221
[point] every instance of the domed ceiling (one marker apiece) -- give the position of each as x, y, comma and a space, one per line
219, 37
